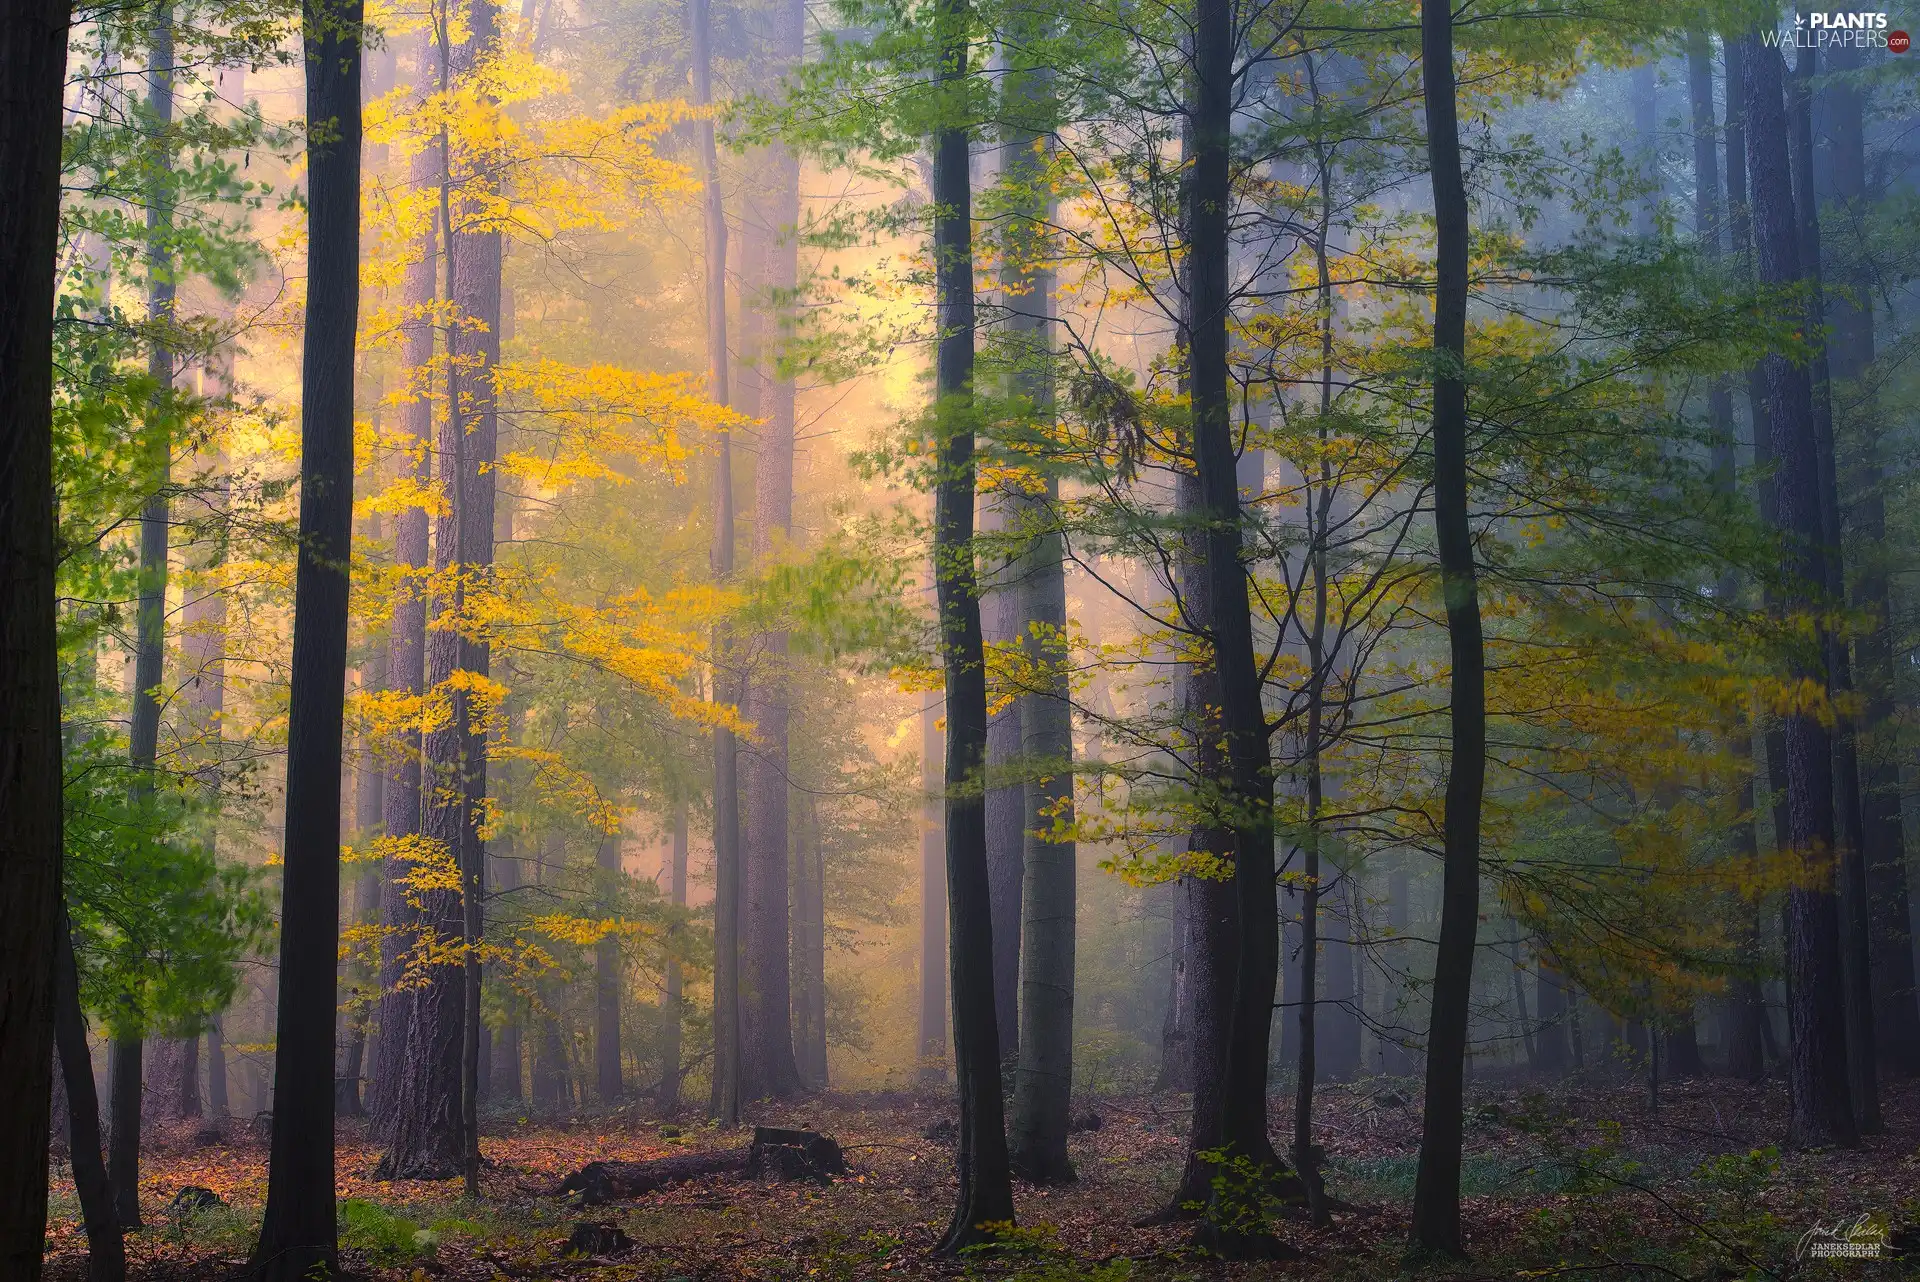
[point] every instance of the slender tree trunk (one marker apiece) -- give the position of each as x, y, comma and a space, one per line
1436, 1194
1249, 784
150, 625
724, 1104
1747, 1056
1818, 1077
985, 1194
1043, 1084
1849, 851
809, 948
1550, 1017
1176, 1027
297, 1233
407, 635
768, 1026
933, 904
670, 1051
1006, 799
1896, 1018
606, 984
106, 1251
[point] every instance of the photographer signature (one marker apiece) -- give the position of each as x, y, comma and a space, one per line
1863, 1237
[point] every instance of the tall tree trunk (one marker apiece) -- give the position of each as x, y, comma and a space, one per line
671, 1039
1209, 908
1849, 850
429, 1134
368, 796
985, 1194
933, 904
1436, 1193
106, 1251
1043, 1084
297, 1232
1234, 1224
1550, 1011
1818, 1075
606, 982
728, 896
1006, 799
768, 1026
1711, 228
407, 633
150, 621
1176, 1026
476, 294
810, 947
1896, 1017
1746, 1054
33, 64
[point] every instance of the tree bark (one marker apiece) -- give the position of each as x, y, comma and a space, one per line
670, 1041
933, 904
1436, 1194
729, 898
106, 1250
810, 948
985, 1194
606, 984
1818, 1075
1896, 1018
33, 61
407, 634
217, 1102
767, 980
297, 1232
1043, 1082
1248, 783
1849, 850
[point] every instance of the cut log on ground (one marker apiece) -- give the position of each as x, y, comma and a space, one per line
775, 1153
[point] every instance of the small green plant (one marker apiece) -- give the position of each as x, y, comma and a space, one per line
379, 1232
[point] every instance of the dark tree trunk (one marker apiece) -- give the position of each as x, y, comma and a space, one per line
1711, 227
1849, 852
429, 1130
606, 984
1340, 1017
407, 637
767, 1027
1818, 1076
673, 1011
933, 905
1750, 1032
1394, 1058
985, 1194
297, 1233
124, 1088
33, 63
1436, 1193
724, 1103
1550, 1017
1231, 1225
106, 1251
1896, 1019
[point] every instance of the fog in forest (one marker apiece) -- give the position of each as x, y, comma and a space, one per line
822, 638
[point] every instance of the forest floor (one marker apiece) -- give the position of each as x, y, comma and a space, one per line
1578, 1180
